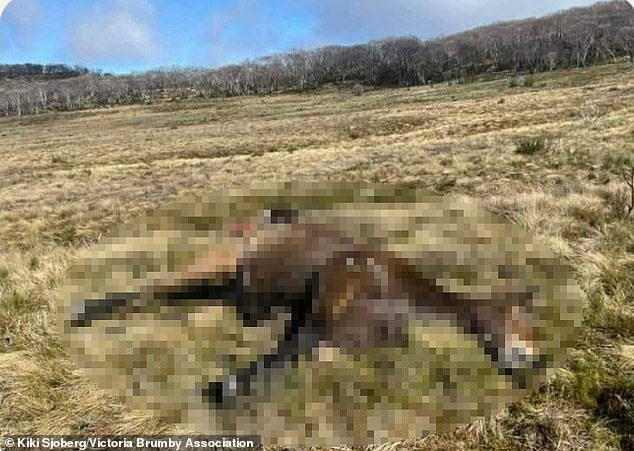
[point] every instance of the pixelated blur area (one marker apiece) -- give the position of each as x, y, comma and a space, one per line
320, 314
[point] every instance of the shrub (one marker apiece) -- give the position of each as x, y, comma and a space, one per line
354, 133
531, 145
60, 160
622, 164
529, 81
590, 114
615, 402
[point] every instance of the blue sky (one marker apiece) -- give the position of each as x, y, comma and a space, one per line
133, 35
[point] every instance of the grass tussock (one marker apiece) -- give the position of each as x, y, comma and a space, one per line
79, 175
531, 146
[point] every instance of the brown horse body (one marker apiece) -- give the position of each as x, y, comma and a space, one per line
346, 294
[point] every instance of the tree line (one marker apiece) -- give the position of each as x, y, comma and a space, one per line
575, 37
41, 71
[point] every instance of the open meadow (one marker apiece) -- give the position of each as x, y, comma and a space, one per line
534, 153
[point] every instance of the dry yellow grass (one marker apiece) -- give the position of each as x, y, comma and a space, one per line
68, 178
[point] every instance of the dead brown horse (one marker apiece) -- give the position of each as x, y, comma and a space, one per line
347, 294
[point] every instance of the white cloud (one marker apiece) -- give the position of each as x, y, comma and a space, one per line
23, 19
242, 28
3, 5
117, 30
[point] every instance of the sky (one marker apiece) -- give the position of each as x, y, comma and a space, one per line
134, 35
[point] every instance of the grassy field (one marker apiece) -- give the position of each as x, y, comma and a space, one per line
66, 179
